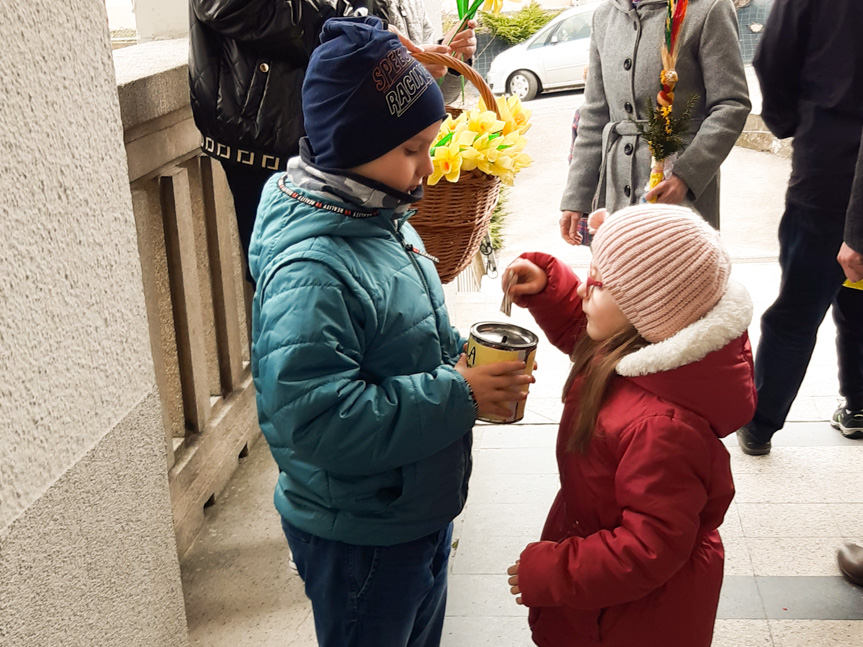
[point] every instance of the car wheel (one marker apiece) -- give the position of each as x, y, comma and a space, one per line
523, 84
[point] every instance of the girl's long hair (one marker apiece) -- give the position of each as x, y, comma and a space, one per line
595, 363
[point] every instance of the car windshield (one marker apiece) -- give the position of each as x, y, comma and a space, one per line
572, 28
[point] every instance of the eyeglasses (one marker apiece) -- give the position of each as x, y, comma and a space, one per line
589, 284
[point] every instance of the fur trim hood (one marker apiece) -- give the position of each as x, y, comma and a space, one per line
706, 367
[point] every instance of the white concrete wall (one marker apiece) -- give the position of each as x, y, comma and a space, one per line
161, 19
87, 552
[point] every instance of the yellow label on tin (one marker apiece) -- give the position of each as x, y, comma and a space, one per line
479, 354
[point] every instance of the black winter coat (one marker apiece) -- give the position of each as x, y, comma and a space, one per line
247, 59
810, 65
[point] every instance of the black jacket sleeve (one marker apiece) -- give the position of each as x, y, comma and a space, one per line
779, 62
267, 25
854, 218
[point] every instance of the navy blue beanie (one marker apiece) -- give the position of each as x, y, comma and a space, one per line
364, 94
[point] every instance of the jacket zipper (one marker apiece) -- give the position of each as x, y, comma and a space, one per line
410, 250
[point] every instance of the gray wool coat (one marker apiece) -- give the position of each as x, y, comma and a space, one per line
611, 161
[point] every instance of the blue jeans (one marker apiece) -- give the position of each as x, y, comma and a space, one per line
374, 596
811, 283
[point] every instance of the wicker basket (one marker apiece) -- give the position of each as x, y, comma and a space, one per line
453, 217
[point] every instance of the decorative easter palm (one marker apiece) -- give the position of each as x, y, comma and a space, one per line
664, 131
474, 151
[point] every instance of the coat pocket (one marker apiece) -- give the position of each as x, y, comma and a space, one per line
257, 87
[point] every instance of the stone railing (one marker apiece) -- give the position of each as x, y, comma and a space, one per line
197, 300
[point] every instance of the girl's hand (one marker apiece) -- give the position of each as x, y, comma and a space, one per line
670, 191
513, 581
569, 226
463, 43
495, 386
528, 277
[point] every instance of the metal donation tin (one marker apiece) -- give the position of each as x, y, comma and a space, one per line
492, 342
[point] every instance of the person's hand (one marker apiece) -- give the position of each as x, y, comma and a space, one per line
407, 42
524, 278
569, 226
463, 43
437, 71
513, 581
495, 386
670, 191
852, 262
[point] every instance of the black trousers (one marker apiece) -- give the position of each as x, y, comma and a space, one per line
811, 283
246, 184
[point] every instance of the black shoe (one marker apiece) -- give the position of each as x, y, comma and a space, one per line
849, 422
749, 445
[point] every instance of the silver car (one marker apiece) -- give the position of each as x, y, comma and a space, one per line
554, 58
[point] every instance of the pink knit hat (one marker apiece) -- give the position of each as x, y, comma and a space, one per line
663, 264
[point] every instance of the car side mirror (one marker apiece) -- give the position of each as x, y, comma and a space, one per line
554, 40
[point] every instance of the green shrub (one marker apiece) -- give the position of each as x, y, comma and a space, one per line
517, 27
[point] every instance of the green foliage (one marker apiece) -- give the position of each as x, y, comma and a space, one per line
495, 230
664, 131
517, 27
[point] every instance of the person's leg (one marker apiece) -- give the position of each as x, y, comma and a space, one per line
810, 279
246, 184
428, 626
848, 315
365, 596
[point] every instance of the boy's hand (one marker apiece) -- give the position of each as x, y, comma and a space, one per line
569, 226
513, 581
495, 386
529, 279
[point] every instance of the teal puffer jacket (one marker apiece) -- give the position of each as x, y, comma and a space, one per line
352, 357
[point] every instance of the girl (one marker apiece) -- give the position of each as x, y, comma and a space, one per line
662, 369
611, 161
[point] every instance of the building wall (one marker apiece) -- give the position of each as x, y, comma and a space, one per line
87, 550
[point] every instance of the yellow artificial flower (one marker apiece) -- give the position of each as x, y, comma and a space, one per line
447, 162
484, 122
493, 6
520, 114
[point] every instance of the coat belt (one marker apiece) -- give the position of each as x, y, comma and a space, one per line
612, 132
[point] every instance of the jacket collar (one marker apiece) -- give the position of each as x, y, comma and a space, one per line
728, 320
344, 186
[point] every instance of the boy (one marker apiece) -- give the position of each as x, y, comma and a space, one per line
362, 393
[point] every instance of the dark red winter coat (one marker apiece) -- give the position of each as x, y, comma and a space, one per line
630, 554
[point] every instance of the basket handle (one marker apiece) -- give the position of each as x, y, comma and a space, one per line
465, 70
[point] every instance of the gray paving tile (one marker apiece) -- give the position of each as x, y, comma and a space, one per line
775, 488
800, 556
495, 631
741, 633
492, 556
810, 598
849, 518
503, 520
509, 436
539, 489
482, 596
787, 520
521, 460
816, 633
740, 599
804, 434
